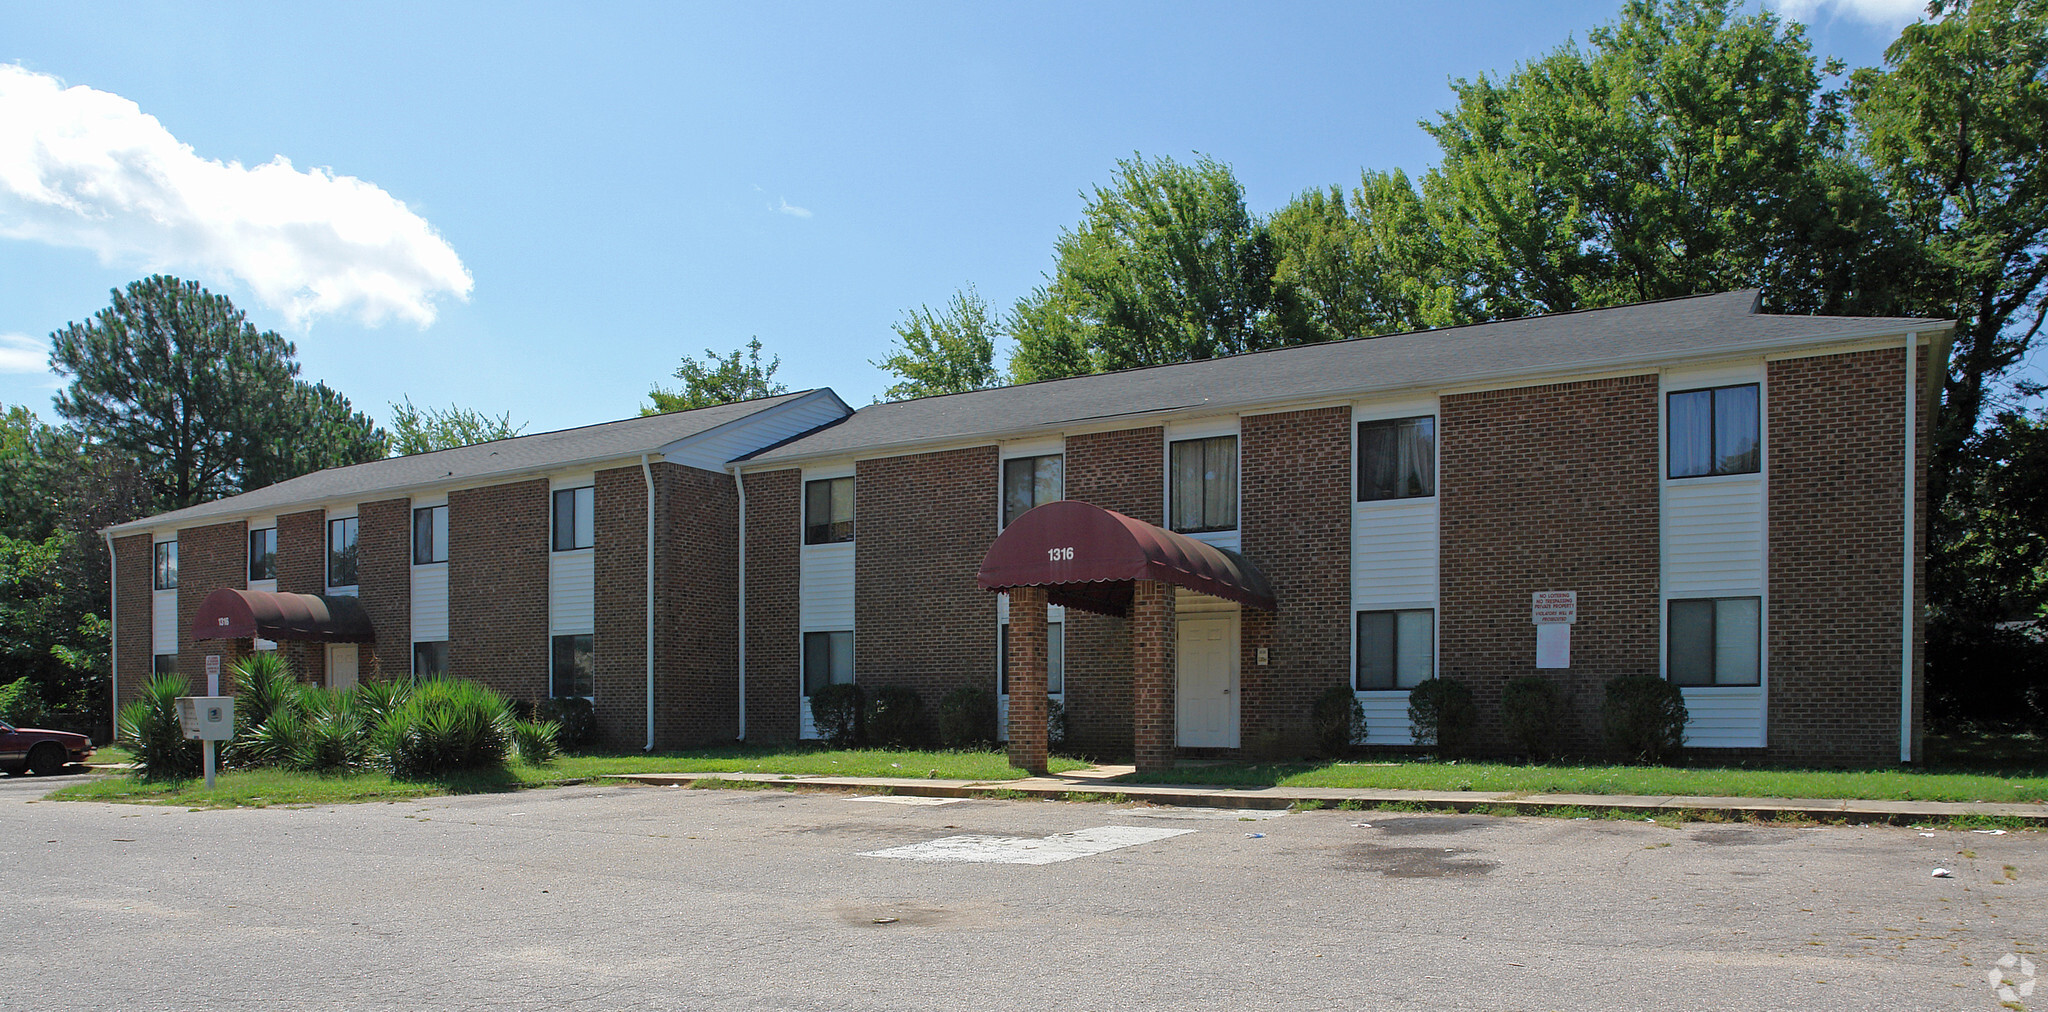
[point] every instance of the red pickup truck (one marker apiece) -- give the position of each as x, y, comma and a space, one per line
46, 752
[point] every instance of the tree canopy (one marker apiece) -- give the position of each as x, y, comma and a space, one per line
719, 379
948, 352
419, 430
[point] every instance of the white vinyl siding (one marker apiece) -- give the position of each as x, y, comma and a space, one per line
1394, 561
825, 589
163, 621
430, 603
572, 573
1715, 544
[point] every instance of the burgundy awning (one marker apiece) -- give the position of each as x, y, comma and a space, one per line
1087, 556
229, 614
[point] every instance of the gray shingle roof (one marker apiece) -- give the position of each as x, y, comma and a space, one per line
1626, 335
520, 454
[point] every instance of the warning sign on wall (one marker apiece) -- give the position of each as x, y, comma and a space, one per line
1547, 607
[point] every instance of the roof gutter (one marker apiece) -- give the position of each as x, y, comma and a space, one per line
113, 636
1906, 556
647, 475
739, 483
1480, 381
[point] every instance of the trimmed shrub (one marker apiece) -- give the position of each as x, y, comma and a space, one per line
1644, 718
574, 717
150, 731
896, 717
20, 705
1441, 713
536, 742
1337, 720
445, 726
837, 712
1532, 709
967, 718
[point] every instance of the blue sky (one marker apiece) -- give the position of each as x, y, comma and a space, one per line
555, 205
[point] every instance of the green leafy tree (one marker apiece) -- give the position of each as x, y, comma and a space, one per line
1167, 265
948, 352
419, 430
1364, 265
719, 379
177, 378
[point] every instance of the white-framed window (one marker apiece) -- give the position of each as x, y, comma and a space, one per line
430, 659
163, 664
828, 660
1396, 649
429, 535
1055, 659
1714, 641
828, 511
1713, 431
575, 518
1029, 482
1397, 458
573, 671
1202, 484
164, 566
263, 554
341, 552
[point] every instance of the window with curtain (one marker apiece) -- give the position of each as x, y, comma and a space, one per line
1396, 458
1713, 431
1030, 482
1715, 641
1203, 484
828, 511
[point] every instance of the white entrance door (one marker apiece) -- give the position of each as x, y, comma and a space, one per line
1205, 689
341, 666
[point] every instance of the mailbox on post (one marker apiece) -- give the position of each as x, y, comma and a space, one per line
208, 719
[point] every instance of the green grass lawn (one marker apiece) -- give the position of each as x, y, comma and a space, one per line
257, 788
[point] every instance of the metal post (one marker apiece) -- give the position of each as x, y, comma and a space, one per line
207, 749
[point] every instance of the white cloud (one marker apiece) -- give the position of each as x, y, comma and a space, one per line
1883, 13
20, 353
792, 210
89, 169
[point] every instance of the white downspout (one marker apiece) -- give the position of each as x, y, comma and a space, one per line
739, 484
1906, 556
647, 475
113, 638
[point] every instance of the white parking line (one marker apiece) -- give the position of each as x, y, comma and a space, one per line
902, 799
1020, 850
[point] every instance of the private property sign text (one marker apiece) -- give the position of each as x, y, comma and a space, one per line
1554, 606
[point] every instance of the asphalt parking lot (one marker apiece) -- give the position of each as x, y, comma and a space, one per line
653, 897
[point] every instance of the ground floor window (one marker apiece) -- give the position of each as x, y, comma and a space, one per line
1055, 658
163, 664
828, 660
1716, 641
430, 659
1396, 649
574, 672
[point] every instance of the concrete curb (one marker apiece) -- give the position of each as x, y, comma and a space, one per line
1062, 787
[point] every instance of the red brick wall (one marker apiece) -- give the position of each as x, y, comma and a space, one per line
132, 610
1837, 425
774, 663
921, 526
1123, 471
209, 558
384, 585
619, 637
1027, 666
498, 586
1550, 487
302, 569
1296, 527
1153, 639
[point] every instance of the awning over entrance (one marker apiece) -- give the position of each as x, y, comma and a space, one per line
229, 614
1086, 557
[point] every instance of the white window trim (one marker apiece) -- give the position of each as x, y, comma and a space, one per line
442, 502
803, 518
552, 637
1181, 432
1376, 411
1436, 655
1022, 451
327, 550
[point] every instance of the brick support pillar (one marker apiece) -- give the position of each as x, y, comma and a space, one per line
1152, 650
1027, 658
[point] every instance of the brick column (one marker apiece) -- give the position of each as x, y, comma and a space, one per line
1152, 650
1027, 656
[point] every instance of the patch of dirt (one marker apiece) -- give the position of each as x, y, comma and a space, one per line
1433, 825
1739, 837
1415, 862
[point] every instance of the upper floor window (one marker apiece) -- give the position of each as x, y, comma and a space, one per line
429, 535
164, 568
828, 511
1397, 458
341, 552
1030, 482
263, 554
575, 523
1203, 484
1716, 641
1714, 431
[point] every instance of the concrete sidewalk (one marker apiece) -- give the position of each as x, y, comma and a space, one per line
1101, 781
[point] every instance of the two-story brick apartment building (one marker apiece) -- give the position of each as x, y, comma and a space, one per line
1726, 498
